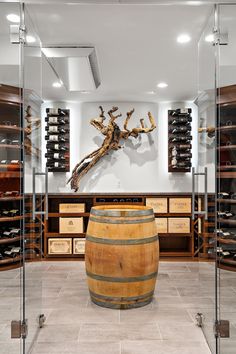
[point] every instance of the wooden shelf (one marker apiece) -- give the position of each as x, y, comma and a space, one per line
175, 253
226, 147
225, 168
12, 218
11, 147
228, 261
57, 215
57, 234
4, 241
8, 199
226, 241
172, 215
227, 201
227, 128
7, 261
174, 235
228, 174
10, 174
10, 129
227, 221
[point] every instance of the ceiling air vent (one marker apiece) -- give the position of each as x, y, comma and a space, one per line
76, 67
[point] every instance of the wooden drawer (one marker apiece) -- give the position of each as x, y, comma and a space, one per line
159, 205
79, 245
162, 225
71, 225
72, 208
179, 225
59, 246
180, 205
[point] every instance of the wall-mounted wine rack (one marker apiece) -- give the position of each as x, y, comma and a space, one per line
58, 139
179, 140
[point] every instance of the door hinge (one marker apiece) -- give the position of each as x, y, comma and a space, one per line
42, 319
17, 34
199, 319
19, 329
222, 329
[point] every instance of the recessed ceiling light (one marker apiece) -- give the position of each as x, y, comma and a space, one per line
150, 92
57, 84
13, 18
183, 38
30, 39
209, 38
86, 92
194, 3
162, 85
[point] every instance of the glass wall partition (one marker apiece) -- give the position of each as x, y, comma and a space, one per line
35, 181
21, 195
226, 173
204, 177
11, 178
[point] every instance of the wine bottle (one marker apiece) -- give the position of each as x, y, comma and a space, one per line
183, 147
55, 164
59, 137
181, 111
181, 164
223, 195
57, 147
186, 156
55, 111
182, 120
55, 129
181, 138
184, 129
56, 120
55, 155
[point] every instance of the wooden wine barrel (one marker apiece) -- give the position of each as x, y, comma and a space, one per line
121, 255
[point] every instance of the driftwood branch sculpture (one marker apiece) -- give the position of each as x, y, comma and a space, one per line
113, 135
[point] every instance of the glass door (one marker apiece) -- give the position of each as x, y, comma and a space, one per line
226, 173
11, 177
204, 177
35, 182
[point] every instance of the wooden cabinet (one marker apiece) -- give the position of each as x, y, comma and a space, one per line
175, 229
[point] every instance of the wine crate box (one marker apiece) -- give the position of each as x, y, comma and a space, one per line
79, 246
71, 225
72, 208
180, 205
59, 246
159, 205
162, 225
179, 225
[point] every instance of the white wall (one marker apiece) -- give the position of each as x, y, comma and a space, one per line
140, 166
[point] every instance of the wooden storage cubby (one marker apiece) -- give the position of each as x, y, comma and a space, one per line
174, 244
171, 244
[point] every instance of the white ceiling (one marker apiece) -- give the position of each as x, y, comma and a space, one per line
136, 47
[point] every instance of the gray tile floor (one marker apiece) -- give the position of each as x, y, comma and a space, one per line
75, 325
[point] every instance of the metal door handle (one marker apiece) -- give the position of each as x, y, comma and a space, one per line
34, 212
204, 212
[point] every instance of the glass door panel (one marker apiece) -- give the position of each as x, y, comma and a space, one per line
226, 173
205, 179
34, 182
11, 197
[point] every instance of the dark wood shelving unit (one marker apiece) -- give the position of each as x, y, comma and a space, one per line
11, 175
226, 134
171, 244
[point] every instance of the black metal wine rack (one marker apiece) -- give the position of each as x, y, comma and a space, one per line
57, 139
179, 140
